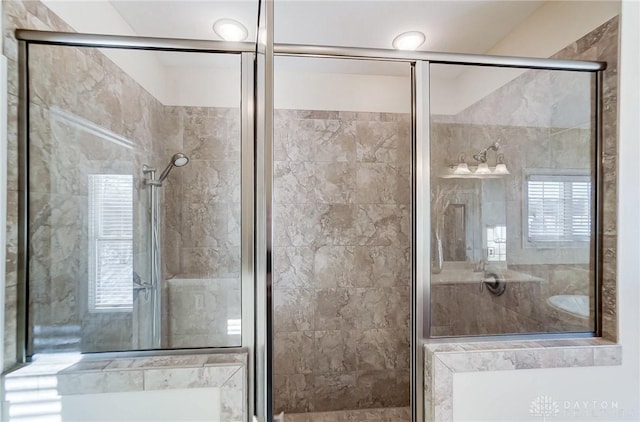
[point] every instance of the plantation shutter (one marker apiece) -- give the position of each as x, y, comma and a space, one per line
110, 242
558, 208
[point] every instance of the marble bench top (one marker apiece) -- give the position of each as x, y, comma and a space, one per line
462, 276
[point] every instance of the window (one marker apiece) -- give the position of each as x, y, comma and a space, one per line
558, 208
110, 242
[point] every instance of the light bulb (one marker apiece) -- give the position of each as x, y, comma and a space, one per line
501, 168
483, 168
230, 30
408, 40
462, 168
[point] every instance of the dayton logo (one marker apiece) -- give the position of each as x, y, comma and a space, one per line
544, 406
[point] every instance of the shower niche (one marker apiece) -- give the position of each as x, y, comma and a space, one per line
125, 253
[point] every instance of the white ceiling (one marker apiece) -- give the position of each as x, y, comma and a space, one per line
451, 25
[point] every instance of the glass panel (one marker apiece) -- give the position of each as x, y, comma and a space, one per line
514, 149
342, 243
97, 117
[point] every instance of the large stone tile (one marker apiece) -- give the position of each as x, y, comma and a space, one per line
210, 181
294, 309
381, 183
333, 266
207, 262
383, 389
378, 142
382, 307
335, 182
298, 224
334, 391
382, 266
335, 309
294, 182
383, 349
212, 137
293, 392
293, 267
335, 351
294, 352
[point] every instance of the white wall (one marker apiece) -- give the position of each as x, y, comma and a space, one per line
347, 92
202, 87
507, 395
194, 404
546, 31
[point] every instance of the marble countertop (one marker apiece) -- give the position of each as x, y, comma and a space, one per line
458, 275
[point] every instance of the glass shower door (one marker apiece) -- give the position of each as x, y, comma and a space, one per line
513, 184
122, 258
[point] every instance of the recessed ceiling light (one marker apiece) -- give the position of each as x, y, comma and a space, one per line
230, 30
408, 40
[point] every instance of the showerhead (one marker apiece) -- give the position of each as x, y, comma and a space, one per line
179, 159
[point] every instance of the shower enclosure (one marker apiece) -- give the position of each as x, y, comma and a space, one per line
466, 211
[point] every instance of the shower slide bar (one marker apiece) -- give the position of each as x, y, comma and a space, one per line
187, 45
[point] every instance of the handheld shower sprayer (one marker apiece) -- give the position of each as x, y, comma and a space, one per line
179, 159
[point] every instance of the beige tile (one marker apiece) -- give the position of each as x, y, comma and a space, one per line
335, 309
334, 391
335, 351
335, 182
383, 389
334, 266
382, 349
293, 267
294, 182
294, 393
100, 382
294, 352
294, 309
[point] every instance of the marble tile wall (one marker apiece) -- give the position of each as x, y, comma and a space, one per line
201, 228
541, 121
341, 260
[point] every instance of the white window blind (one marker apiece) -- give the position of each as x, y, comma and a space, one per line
558, 208
110, 242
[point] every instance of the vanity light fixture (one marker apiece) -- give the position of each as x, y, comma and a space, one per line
410, 40
230, 30
482, 169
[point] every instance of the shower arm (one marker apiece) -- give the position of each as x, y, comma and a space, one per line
482, 155
165, 173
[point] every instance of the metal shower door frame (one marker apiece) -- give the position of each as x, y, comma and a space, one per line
257, 181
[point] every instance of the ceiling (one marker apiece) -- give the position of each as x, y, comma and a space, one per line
450, 25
